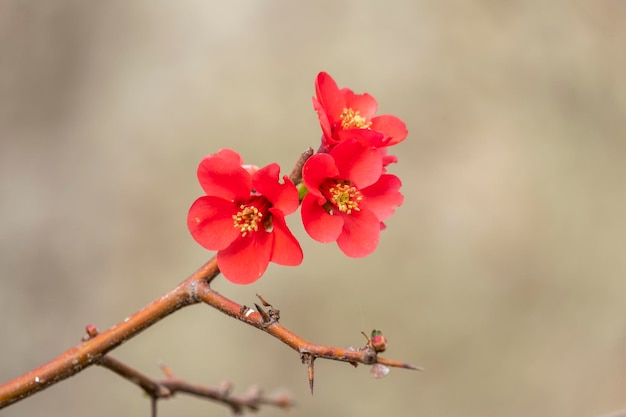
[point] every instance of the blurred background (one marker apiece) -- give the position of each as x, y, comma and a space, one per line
503, 273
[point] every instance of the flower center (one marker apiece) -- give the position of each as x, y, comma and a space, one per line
351, 119
251, 216
343, 195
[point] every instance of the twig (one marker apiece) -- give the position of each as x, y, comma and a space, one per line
151, 387
166, 388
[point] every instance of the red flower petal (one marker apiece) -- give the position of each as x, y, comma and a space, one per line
365, 104
329, 96
318, 223
247, 258
361, 233
391, 127
230, 155
388, 159
383, 197
282, 196
286, 249
361, 165
316, 169
366, 136
323, 118
223, 177
210, 221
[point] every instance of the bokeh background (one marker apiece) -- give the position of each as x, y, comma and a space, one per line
503, 273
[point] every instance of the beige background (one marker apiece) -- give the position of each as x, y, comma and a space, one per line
503, 274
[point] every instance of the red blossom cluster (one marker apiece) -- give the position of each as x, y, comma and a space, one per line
346, 193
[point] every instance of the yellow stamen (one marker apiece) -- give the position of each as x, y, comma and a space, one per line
351, 119
248, 219
346, 197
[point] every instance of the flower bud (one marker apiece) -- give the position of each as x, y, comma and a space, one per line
378, 341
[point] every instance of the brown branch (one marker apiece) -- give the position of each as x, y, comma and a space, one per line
268, 322
194, 289
150, 386
166, 388
92, 350
296, 173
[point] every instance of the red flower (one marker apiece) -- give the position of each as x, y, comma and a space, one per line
340, 112
348, 197
242, 216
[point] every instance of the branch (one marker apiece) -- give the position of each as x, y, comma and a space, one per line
194, 289
268, 322
92, 350
296, 173
166, 388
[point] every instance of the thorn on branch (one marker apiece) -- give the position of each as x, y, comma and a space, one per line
309, 359
166, 370
263, 301
271, 316
264, 316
